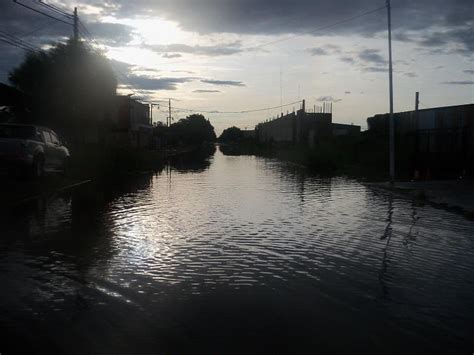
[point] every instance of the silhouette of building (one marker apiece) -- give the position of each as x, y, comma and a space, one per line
301, 127
433, 142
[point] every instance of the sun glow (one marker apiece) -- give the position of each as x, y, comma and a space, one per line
156, 31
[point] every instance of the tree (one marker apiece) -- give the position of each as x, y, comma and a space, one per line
231, 134
72, 88
194, 129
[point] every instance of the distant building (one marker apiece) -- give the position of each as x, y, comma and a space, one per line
301, 127
131, 123
434, 141
339, 129
248, 134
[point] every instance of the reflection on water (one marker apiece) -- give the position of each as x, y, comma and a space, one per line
235, 255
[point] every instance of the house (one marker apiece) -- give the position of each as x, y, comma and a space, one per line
131, 123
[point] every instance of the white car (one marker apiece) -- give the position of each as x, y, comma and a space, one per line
32, 149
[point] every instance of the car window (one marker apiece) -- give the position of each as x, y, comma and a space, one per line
39, 136
54, 138
47, 137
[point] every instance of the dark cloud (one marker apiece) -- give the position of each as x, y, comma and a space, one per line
465, 82
223, 82
111, 34
206, 91
347, 59
372, 56
410, 74
347, 92
317, 51
468, 71
450, 21
273, 17
453, 40
402, 37
150, 83
214, 50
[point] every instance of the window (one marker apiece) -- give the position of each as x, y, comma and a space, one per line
54, 138
47, 137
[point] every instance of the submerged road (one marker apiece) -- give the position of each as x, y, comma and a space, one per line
234, 255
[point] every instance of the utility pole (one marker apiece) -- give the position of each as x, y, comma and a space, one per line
75, 25
391, 122
151, 112
417, 101
169, 112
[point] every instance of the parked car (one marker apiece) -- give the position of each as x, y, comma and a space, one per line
31, 149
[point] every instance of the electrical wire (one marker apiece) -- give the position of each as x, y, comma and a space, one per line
44, 25
238, 112
18, 42
40, 12
54, 9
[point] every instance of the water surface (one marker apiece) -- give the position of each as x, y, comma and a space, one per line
235, 254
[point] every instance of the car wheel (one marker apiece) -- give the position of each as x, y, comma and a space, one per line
38, 167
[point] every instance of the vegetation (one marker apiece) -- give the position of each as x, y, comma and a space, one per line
193, 130
231, 135
72, 88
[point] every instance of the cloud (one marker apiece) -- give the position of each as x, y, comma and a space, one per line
211, 50
372, 56
223, 82
206, 91
317, 51
462, 82
171, 55
410, 74
402, 37
150, 83
347, 59
374, 70
328, 98
347, 92
468, 71
111, 34
282, 16
277, 17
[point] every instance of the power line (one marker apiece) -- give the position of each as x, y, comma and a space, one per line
44, 25
54, 9
18, 42
238, 112
317, 29
41, 12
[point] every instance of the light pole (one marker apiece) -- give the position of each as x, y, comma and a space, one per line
391, 122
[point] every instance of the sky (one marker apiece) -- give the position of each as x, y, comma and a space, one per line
239, 55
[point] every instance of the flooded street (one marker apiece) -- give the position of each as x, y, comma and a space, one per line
235, 254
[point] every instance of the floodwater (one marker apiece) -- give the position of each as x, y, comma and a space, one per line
234, 255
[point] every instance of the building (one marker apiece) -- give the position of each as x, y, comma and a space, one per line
431, 142
302, 127
248, 134
131, 123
